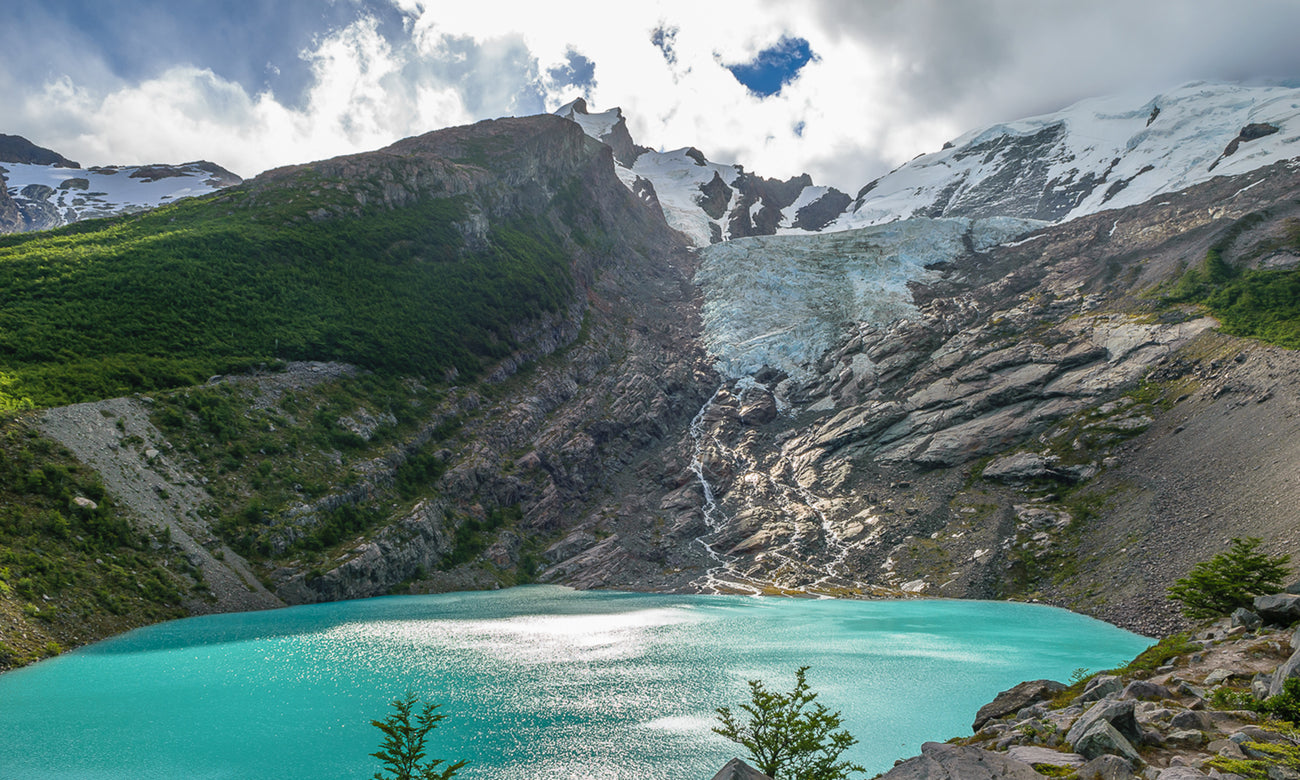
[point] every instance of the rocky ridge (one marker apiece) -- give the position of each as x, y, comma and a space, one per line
1098, 154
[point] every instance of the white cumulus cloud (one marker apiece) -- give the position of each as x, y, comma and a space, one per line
890, 79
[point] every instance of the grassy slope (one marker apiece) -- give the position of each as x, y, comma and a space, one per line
167, 298
71, 571
295, 268
1250, 302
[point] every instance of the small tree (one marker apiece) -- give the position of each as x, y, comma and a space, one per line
788, 735
402, 750
1229, 580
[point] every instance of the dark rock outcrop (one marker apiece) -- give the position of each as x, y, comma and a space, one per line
771, 195
715, 195
1015, 699
11, 219
821, 212
16, 149
1280, 608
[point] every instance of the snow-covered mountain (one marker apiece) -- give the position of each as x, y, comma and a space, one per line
708, 201
43, 189
1098, 154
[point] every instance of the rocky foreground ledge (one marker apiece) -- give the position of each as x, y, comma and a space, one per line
1183, 709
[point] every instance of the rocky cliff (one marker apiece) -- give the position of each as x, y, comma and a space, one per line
1033, 423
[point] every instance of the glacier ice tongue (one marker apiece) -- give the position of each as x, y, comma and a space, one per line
782, 301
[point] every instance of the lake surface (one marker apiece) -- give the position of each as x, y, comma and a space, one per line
536, 682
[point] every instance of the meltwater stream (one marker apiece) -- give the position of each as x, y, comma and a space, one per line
536, 682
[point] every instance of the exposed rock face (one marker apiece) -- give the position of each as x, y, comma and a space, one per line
821, 212
16, 149
570, 441
417, 542
872, 475
10, 217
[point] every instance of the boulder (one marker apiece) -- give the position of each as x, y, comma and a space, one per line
1100, 687
939, 761
1282, 608
1101, 738
735, 769
1015, 699
1219, 676
1032, 754
1244, 617
1144, 690
1180, 773
1186, 738
757, 407
1117, 713
1106, 767
1197, 720
1289, 668
1253, 733
1259, 685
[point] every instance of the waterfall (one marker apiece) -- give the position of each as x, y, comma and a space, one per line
714, 579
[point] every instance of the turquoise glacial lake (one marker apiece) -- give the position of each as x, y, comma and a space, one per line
536, 682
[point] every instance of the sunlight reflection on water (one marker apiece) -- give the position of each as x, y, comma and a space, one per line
537, 682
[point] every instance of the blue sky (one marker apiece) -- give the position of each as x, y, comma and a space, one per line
842, 89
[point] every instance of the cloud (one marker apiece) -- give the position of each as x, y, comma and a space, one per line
890, 78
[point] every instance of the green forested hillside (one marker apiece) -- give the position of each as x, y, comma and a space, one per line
167, 298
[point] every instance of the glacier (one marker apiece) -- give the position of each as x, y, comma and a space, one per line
782, 301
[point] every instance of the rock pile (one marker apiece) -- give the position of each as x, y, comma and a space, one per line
1188, 708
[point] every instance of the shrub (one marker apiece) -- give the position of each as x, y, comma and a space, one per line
1229, 580
402, 750
788, 735
1285, 705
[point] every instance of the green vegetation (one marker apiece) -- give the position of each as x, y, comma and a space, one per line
1279, 755
1256, 303
1230, 580
402, 750
1283, 711
253, 275
1148, 660
473, 536
268, 450
70, 563
788, 735
1285, 705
